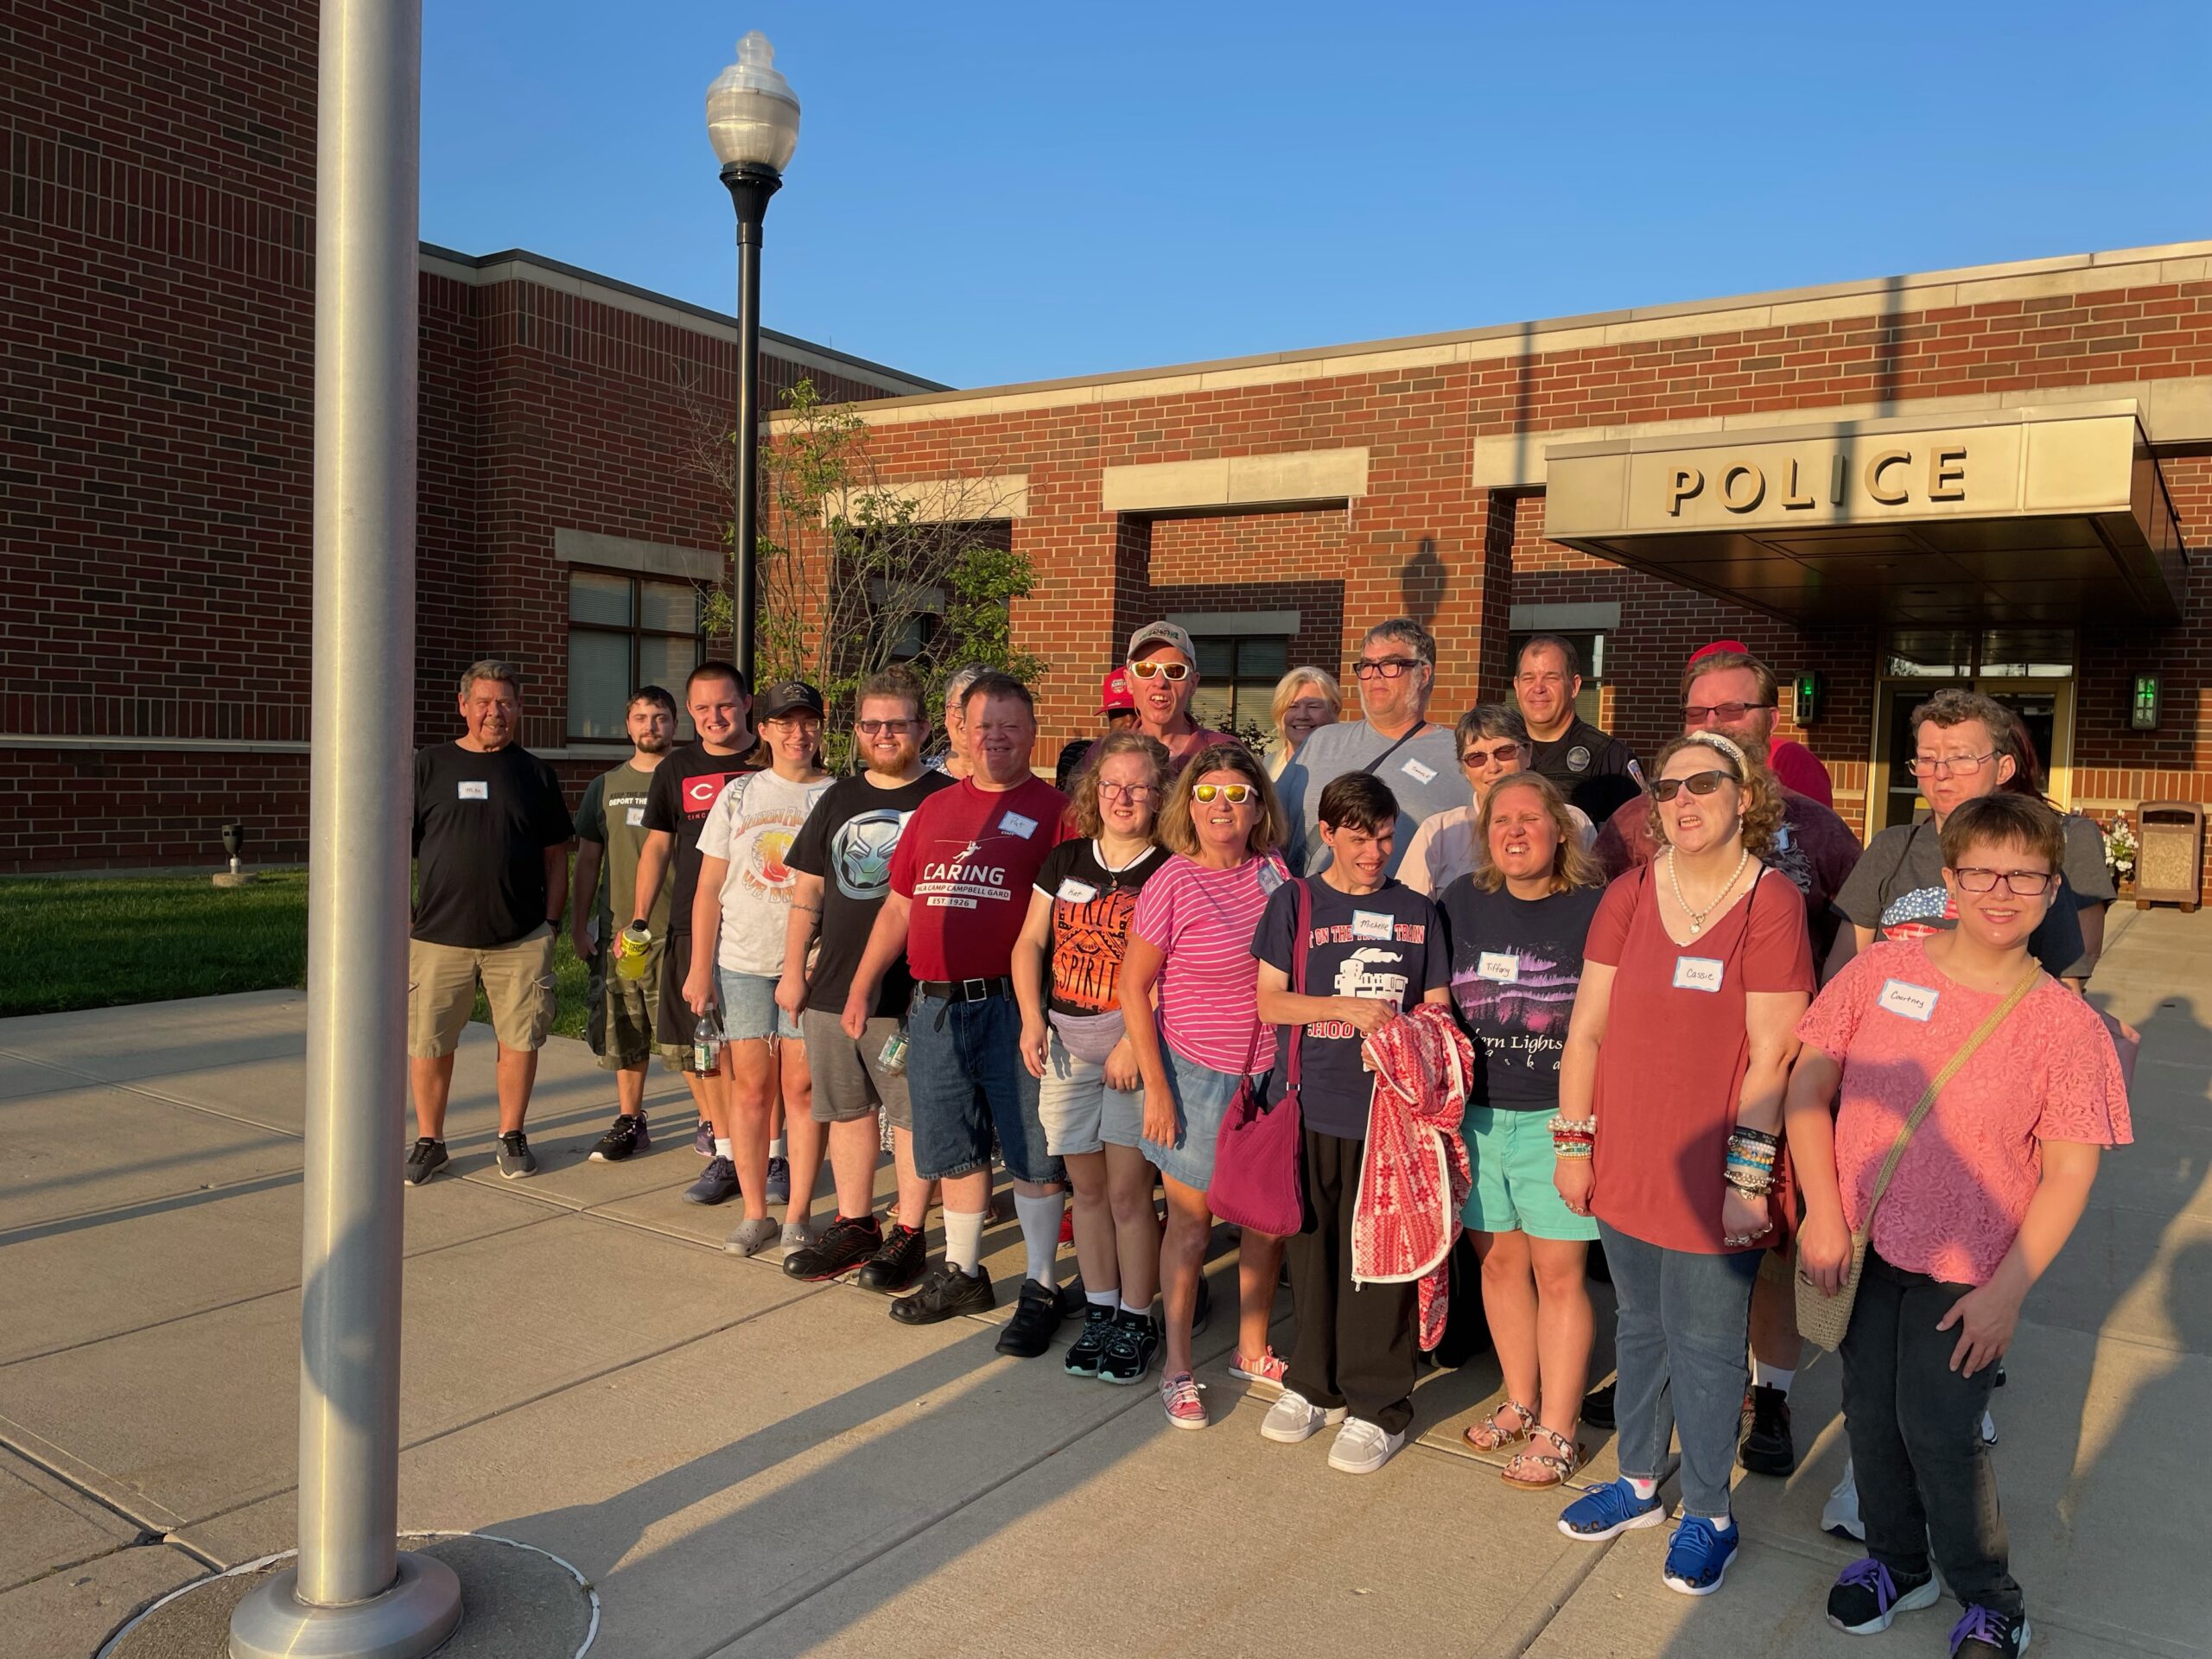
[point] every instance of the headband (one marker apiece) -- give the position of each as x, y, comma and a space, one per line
1727, 746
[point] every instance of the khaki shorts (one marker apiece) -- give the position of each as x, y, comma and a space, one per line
618, 1012
441, 990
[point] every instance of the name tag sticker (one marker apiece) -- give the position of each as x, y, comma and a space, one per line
634, 816
1501, 966
1270, 879
475, 789
1370, 924
1015, 824
1697, 973
1419, 773
1913, 1002
1074, 892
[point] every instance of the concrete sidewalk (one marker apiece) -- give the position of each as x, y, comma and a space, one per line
745, 1465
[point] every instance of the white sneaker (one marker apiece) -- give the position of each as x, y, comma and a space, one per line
1988, 1430
1363, 1447
1293, 1418
1839, 1514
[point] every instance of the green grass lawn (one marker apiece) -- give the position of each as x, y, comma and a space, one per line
93, 942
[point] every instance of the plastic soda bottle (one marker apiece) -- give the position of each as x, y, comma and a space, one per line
630, 947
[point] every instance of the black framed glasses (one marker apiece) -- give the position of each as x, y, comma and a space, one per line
1698, 783
1704, 713
2024, 884
875, 728
1386, 668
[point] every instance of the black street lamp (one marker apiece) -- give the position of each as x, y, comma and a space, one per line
752, 121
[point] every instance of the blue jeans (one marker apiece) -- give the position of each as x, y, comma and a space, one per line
1680, 1342
965, 1078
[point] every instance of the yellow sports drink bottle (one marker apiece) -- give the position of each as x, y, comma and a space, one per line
629, 948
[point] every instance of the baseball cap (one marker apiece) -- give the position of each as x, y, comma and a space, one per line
1716, 647
1115, 696
788, 697
1161, 634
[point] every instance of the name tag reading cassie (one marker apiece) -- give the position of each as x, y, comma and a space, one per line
634, 816
1370, 924
475, 789
1503, 967
1015, 824
1419, 773
1697, 973
1074, 892
1913, 1002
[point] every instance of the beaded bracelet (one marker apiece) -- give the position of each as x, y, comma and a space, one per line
1751, 1186
1572, 1137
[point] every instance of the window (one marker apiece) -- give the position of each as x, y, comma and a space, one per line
626, 632
1591, 646
1236, 680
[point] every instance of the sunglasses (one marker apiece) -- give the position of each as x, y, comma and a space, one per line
1698, 783
1235, 794
1147, 670
1509, 755
873, 728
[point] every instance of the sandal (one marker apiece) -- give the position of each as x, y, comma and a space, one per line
1490, 1435
1556, 1466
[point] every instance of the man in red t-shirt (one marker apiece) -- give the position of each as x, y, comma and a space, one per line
960, 886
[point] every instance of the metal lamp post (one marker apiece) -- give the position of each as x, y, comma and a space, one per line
352, 1594
753, 122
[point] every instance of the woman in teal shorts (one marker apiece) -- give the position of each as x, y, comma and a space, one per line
1517, 924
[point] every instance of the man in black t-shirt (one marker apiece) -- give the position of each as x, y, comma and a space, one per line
685, 789
491, 845
1594, 770
842, 860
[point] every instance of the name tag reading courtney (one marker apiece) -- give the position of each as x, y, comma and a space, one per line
1370, 924
1418, 772
475, 789
1913, 1002
1015, 824
1501, 967
1697, 973
1074, 892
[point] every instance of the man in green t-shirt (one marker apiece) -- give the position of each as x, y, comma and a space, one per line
610, 829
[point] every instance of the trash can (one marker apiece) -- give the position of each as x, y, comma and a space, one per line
2171, 850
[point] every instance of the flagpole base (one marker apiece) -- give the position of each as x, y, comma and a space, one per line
414, 1617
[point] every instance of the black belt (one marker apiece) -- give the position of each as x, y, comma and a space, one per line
965, 990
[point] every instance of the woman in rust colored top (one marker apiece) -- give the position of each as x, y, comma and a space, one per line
1695, 973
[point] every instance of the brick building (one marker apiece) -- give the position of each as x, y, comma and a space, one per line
156, 379
1992, 476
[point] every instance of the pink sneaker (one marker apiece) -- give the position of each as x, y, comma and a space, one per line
1266, 1371
1179, 1394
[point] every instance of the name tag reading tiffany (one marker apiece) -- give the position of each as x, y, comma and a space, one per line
1074, 892
1502, 967
1913, 1002
634, 816
475, 789
1419, 773
1370, 924
1015, 824
1697, 973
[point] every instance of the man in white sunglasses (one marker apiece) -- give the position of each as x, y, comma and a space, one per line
1163, 669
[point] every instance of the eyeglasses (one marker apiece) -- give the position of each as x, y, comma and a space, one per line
872, 728
1387, 668
1698, 783
2026, 884
1505, 757
1108, 792
1235, 794
1726, 713
1927, 766
1147, 670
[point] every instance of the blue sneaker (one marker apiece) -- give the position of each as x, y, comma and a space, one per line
1698, 1556
717, 1183
779, 1180
1604, 1511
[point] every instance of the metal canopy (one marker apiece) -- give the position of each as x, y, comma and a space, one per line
2053, 515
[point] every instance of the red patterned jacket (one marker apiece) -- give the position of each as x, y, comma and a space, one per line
1415, 1175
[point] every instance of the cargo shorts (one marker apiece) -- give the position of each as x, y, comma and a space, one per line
441, 981
619, 1013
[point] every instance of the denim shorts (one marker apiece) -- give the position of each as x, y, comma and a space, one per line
1512, 1192
749, 1013
964, 1082
1202, 1097
1080, 1112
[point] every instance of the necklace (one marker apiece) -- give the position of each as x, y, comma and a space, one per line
1115, 871
1697, 917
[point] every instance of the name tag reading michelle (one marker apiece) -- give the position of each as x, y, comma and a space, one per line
1015, 824
1502, 967
1419, 773
1697, 973
1913, 1002
475, 789
1074, 892
634, 816
1370, 924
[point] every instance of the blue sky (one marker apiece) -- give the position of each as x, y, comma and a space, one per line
986, 194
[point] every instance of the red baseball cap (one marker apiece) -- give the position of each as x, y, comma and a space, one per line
1115, 696
1704, 652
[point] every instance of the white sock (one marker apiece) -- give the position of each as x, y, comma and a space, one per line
724, 1148
1644, 1489
1764, 1375
1040, 1231
777, 1148
963, 1241
1103, 1299
1725, 1523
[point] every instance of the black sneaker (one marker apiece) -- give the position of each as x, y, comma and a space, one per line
425, 1159
1135, 1340
1598, 1407
945, 1293
516, 1158
1768, 1448
717, 1183
1089, 1344
846, 1244
898, 1262
1037, 1315
1868, 1596
1986, 1635
625, 1136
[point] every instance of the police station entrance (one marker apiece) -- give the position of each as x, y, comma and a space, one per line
2029, 670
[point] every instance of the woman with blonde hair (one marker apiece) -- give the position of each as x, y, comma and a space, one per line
1516, 925
1305, 700
1192, 939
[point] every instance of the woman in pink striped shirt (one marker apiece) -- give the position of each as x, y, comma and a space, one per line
1192, 940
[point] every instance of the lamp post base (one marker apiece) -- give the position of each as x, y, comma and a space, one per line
414, 1618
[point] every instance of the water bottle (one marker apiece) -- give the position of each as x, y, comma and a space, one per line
894, 1057
706, 1042
630, 947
